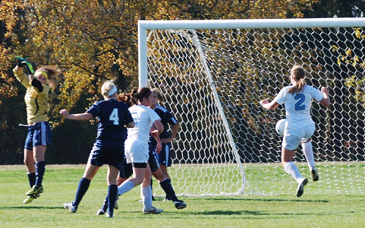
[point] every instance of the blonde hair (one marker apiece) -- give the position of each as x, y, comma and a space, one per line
51, 72
108, 87
298, 74
159, 96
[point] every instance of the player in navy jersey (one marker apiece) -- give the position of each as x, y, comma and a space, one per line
108, 148
300, 127
164, 157
127, 170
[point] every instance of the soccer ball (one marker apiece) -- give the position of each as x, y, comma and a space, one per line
280, 127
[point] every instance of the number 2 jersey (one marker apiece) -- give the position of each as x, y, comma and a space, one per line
298, 105
112, 116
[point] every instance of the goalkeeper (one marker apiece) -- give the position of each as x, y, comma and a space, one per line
39, 131
297, 99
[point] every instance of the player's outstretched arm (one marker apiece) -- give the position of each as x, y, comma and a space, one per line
78, 116
269, 105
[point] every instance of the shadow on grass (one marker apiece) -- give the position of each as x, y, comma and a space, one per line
264, 200
30, 207
263, 213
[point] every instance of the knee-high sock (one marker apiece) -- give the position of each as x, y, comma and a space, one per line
125, 187
112, 196
105, 203
81, 190
31, 178
40, 169
308, 152
167, 187
146, 194
293, 171
151, 185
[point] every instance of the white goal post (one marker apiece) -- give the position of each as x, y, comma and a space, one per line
212, 74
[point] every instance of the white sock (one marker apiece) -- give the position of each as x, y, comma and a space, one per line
146, 194
308, 152
125, 187
293, 171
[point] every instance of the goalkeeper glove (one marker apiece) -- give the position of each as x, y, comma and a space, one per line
26, 65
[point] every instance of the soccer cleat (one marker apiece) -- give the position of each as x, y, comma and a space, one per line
70, 207
29, 199
315, 176
152, 210
109, 215
100, 212
180, 204
300, 188
35, 191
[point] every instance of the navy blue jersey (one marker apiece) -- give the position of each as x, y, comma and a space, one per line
166, 119
112, 115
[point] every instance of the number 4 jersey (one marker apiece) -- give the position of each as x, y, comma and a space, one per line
112, 116
298, 105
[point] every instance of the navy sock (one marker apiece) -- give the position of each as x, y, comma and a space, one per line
31, 178
167, 187
105, 204
112, 196
40, 169
81, 190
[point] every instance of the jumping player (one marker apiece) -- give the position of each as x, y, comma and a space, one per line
300, 127
39, 131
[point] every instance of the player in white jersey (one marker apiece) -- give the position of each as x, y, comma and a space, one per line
136, 146
297, 99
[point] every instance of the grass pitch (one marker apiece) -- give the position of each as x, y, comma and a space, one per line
60, 184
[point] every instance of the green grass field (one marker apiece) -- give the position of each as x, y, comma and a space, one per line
60, 183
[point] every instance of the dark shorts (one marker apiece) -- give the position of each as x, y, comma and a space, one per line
107, 151
127, 170
40, 134
152, 160
164, 157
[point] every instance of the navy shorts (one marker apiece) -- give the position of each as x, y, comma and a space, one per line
107, 151
126, 171
164, 157
152, 160
39, 134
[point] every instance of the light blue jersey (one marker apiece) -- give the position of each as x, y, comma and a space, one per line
298, 105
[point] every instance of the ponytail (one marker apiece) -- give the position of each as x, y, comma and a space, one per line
133, 97
298, 74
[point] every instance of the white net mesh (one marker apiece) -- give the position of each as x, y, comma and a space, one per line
199, 70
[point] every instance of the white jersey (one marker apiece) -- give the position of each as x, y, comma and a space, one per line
298, 105
143, 118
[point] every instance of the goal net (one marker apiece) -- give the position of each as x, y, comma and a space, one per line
212, 75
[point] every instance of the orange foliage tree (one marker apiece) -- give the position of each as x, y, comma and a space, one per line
94, 41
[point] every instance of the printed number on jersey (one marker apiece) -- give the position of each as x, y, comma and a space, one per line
114, 117
299, 105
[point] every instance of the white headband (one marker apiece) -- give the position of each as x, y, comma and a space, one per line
112, 91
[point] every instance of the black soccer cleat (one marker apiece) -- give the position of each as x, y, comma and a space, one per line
180, 204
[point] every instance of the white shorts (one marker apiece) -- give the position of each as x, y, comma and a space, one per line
136, 150
292, 138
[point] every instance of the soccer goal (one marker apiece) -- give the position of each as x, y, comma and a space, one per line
213, 73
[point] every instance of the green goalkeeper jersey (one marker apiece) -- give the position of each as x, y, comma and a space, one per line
36, 101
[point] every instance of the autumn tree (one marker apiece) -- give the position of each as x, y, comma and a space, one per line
93, 41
